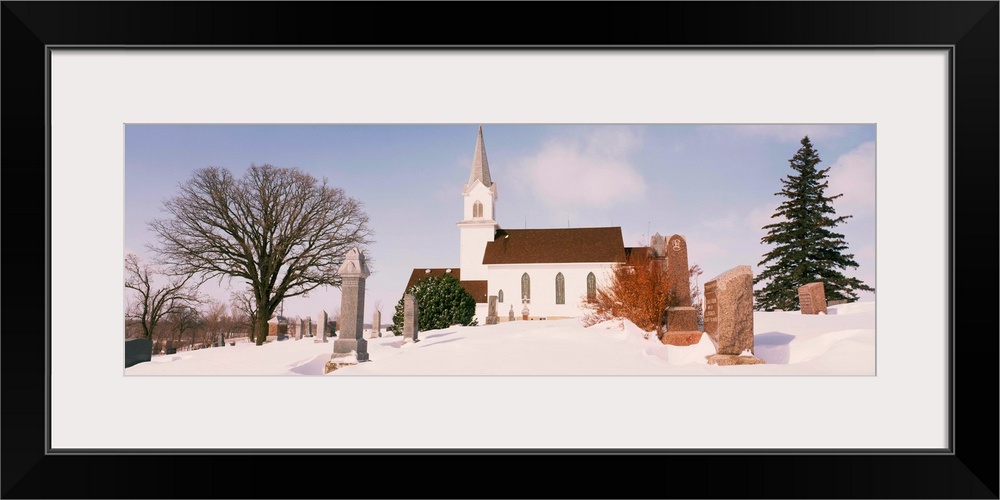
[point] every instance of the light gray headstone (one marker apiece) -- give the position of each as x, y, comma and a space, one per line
351, 341
411, 318
321, 320
377, 324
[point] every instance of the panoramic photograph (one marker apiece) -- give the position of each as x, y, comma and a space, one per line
499, 249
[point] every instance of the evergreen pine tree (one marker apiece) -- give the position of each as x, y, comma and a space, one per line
805, 249
441, 302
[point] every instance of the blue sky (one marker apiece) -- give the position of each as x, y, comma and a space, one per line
714, 184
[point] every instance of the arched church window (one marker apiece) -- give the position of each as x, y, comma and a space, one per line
591, 287
477, 209
560, 289
526, 287
500, 296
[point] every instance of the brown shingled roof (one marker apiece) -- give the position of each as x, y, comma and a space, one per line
537, 246
476, 288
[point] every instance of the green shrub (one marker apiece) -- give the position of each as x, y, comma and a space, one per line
441, 302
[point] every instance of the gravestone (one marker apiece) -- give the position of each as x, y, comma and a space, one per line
491, 317
411, 318
321, 320
377, 323
350, 347
307, 326
277, 328
297, 327
138, 351
681, 319
729, 317
222, 339
812, 299
510, 315
331, 328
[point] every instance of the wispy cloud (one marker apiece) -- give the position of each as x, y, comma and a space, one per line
853, 174
594, 170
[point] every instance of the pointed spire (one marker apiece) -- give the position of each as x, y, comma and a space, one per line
480, 167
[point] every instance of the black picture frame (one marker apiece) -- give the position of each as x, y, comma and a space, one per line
970, 29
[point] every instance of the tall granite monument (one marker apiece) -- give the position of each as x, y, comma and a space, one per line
681, 319
350, 347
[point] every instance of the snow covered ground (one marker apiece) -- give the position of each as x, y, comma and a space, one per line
840, 343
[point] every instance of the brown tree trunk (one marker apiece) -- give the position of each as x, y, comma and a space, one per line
261, 326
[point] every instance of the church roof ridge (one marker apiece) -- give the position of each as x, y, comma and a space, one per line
556, 245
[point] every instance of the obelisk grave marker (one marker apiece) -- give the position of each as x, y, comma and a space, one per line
681, 317
351, 347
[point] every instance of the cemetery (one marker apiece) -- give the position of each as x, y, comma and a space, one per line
534, 300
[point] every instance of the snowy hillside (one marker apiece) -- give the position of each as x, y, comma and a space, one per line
841, 343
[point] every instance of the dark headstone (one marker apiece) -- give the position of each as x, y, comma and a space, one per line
138, 351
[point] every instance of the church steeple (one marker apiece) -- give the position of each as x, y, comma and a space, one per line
478, 225
480, 167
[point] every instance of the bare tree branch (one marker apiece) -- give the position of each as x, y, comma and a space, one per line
151, 303
281, 230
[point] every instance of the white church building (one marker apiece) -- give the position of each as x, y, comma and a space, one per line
551, 272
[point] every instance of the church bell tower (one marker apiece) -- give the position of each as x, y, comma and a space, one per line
478, 224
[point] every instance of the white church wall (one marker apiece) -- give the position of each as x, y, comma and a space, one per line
473, 240
475, 232
482, 310
507, 277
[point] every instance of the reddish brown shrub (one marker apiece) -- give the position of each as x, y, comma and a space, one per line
637, 291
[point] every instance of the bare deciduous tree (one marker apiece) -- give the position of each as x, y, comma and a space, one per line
217, 320
151, 302
244, 303
187, 319
280, 230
